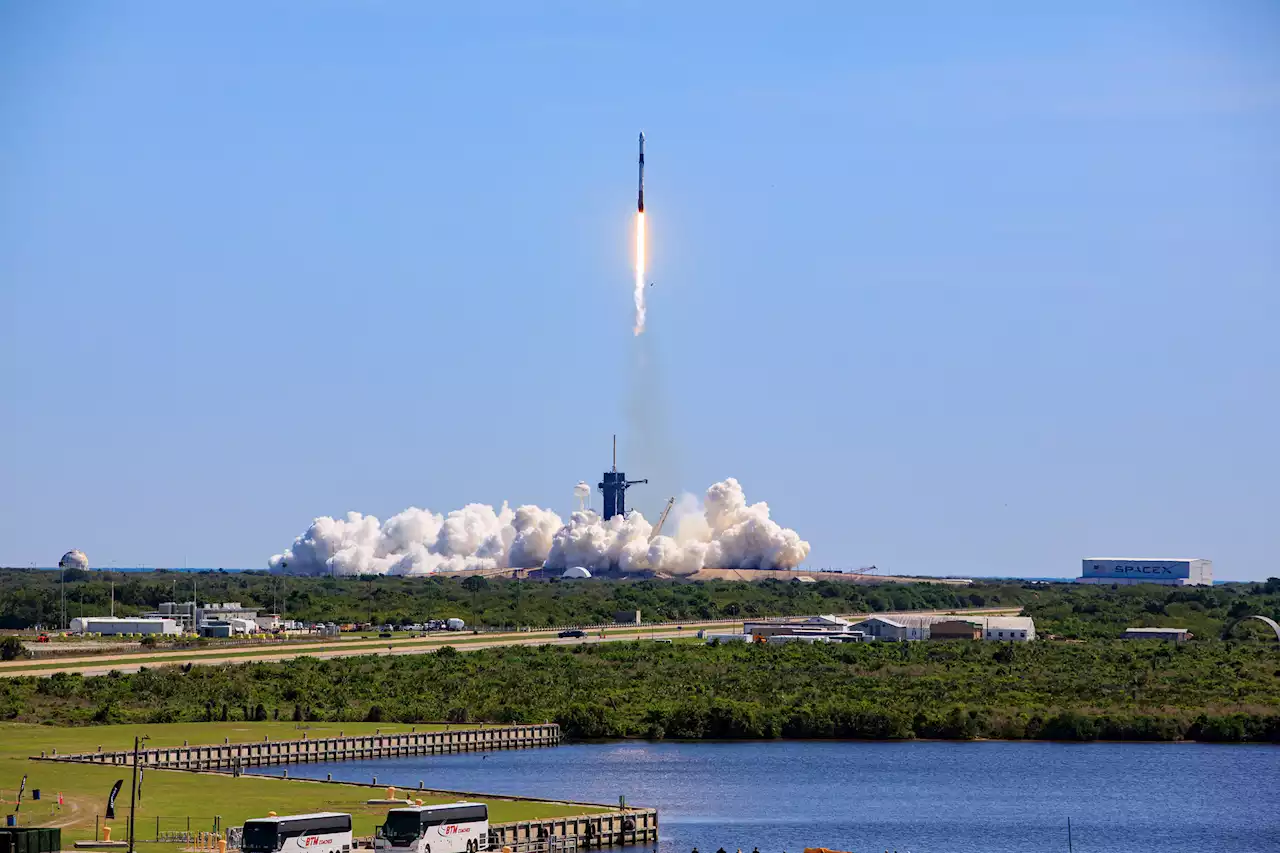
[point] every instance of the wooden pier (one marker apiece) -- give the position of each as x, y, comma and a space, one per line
235, 756
610, 829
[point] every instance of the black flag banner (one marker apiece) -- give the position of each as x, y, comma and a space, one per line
21, 789
111, 799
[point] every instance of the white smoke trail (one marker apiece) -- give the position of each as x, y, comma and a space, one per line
724, 531
640, 263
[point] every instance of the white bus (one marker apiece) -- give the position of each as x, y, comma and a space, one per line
452, 828
323, 832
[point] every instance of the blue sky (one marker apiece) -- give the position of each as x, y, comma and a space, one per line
961, 289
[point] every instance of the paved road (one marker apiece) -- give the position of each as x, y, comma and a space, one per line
100, 665
282, 650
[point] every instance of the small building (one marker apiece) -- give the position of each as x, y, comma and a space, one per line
776, 627
224, 611
112, 625
884, 628
727, 638
955, 629
1009, 628
905, 626
1125, 571
827, 621
1175, 635
626, 617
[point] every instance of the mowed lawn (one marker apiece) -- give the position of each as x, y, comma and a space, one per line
175, 795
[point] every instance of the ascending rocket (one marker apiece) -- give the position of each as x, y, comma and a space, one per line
640, 198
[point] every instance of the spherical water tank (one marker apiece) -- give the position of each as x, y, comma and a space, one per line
74, 560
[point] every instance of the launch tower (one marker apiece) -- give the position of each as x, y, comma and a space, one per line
614, 487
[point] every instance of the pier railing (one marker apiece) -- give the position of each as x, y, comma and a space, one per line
235, 756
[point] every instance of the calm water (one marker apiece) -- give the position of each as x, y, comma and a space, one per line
922, 797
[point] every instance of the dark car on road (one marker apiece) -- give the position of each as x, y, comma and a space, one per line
572, 632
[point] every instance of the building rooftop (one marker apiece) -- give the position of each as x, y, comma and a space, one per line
1017, 623
886, 620
1148, 559
1155, 630
147, 618
1005, 623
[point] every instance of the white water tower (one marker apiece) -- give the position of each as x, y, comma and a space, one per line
582, 492
71, 560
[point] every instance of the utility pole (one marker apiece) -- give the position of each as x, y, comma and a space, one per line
133, 786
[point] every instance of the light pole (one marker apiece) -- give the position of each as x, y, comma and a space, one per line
133, 786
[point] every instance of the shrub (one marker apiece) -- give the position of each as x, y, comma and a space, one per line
12, 649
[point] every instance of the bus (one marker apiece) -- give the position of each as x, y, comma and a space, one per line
323, 831
452, 828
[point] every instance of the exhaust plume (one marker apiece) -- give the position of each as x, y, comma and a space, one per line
417, 542
639, 289
723, 531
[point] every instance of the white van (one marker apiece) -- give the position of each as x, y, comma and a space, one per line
452, 828
323, 831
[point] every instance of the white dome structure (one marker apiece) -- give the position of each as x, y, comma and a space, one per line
575, 573
74, 560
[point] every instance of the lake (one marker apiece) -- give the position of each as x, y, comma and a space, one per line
919, 796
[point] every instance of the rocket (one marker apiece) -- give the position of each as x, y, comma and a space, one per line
640, 197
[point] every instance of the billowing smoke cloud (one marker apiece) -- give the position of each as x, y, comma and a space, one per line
418, 542
724, 531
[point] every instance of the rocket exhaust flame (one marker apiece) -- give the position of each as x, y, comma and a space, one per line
639, 291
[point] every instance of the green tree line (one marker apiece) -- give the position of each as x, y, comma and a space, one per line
1101, 689
1073, 611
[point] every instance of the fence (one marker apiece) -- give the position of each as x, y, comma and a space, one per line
553, 835
236, 756
552, 844
166, 830
185, 829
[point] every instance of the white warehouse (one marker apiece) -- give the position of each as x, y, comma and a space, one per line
123, 625
1125, 571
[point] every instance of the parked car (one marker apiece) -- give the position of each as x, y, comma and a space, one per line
572, 632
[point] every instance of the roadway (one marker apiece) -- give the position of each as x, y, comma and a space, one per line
463, 642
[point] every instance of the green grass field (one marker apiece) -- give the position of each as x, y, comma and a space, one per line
176, 795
